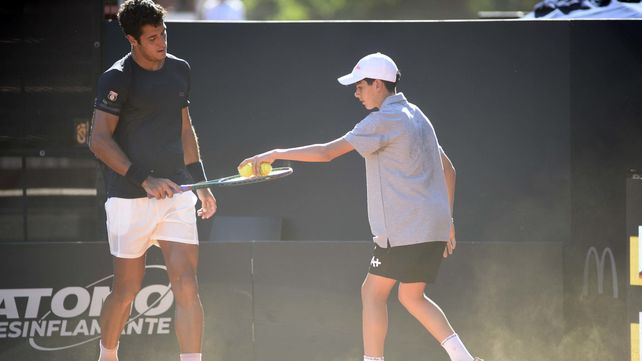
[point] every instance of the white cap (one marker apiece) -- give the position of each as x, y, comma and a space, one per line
373, 66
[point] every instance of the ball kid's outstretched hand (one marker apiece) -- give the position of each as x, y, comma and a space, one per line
260, 164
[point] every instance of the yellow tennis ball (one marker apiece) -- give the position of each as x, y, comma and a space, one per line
246, 170
266, 168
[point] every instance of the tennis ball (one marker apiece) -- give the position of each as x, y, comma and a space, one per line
266, 168
246, 170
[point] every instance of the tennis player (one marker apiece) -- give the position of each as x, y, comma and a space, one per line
142, 132
410, 191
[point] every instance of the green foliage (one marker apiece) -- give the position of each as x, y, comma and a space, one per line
377, 9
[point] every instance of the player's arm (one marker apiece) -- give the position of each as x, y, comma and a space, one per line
192, 159
191, 152
325, 152
102, 144
450, 177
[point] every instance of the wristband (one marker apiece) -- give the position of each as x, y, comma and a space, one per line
136, 174
196, 171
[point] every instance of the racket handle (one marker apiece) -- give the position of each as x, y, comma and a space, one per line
186, 187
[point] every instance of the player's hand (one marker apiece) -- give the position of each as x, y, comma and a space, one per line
452, 242
160, 188
208, 203
257, 160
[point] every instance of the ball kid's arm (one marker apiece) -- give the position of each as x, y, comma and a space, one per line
325, 152
450, 176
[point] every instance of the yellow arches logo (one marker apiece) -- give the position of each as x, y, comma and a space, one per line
592, 254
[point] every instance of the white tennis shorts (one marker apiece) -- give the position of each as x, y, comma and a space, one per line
134, 225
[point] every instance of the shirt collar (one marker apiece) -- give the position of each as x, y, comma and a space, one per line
396, 98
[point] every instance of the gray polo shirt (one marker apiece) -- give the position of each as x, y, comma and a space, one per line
407, 194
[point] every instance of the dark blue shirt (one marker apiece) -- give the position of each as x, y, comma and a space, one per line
149, 106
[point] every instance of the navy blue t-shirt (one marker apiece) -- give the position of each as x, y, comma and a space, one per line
149, 106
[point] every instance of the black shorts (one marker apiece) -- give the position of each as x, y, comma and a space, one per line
408, 264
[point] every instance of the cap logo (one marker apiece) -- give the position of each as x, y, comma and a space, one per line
112, 96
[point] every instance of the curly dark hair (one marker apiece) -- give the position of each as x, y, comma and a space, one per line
134, 14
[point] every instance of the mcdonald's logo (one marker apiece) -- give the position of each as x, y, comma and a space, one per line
592, 254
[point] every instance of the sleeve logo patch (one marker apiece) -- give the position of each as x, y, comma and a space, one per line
112, 96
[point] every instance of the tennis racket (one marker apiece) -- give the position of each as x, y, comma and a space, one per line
237, 180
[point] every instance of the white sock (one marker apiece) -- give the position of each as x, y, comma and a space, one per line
372, 358
191, 356
107, 354
456, 349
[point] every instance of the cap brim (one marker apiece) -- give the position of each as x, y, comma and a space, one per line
349, 79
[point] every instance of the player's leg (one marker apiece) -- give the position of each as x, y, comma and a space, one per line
181, 260
129, 226
374, 297
128, 277
430, 315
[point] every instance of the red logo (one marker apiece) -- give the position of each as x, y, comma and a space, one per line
112, 96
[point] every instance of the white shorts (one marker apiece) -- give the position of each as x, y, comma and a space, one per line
134, 225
